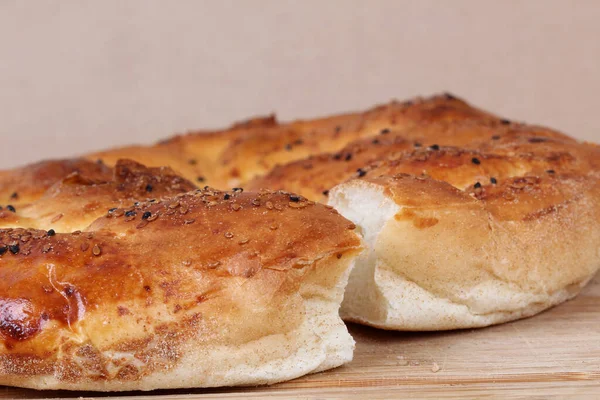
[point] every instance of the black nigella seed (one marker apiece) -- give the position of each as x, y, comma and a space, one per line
227, 196
146, 215
325, 192
434, 147
200, 179
294, 198
338, 129
496, 137
15, 195
111, 210
375, 141
348, 157
11, 208
337, 156
3, 250
477, 185
384, 131
299, 141
550, 171
14, 248
361, 172
51, 232
149, 188
537, 140
238, 190
449, 96
493, 181
130, 213
137, 203
475, 161
505, 121
417, 144
288, 147
192, 162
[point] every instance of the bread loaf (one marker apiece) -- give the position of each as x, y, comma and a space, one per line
470, 219
142, 281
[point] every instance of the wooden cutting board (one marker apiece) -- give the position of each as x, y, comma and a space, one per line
554, 354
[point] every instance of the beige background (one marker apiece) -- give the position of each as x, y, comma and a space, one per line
82, 75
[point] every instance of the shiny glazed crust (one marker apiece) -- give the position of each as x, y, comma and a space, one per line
468, 219
143, 282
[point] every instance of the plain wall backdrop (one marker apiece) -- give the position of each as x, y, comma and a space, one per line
80, 75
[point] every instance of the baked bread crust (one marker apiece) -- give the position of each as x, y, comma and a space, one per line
437, 173
192, 288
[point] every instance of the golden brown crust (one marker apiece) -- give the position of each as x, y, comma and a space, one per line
232, 157
26, 184
159, 278
460, 152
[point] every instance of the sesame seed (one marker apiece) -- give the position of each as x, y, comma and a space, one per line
434, 147
200, 179
361, 172
384, 131
477, 185
146, 215
238, 190
294, 198
14, 248
112, 210
96, 250
493, 180
236, 207
475, 161
51, 232
189, 221
325, 192
505, 121
11, 208
244, 241
228, 235
56, 217
130, 213
46, 248
149, 188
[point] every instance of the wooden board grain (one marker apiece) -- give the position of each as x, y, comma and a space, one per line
554, 354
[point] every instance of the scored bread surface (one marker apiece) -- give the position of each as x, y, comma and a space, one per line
469, 219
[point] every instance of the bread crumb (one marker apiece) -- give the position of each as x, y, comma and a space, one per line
435, 368
402, 361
